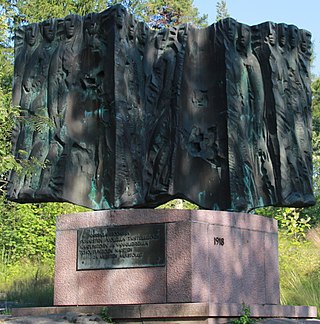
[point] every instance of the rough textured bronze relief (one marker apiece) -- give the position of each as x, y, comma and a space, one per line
135, 117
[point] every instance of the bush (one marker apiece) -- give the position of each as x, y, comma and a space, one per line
27, 231
294, 222
178, 204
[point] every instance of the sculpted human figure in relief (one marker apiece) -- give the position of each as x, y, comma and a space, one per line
237, 153
23, 91
135, 117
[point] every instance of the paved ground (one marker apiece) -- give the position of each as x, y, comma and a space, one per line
51, 319
94, 319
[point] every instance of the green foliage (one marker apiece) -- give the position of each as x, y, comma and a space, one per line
222, 11
162, 13
316, 141
7, 117
38, 123
312, 212
7, 113
301, 255
27, 231
316, 163
6, 311
105, 315
179, 204
156, 12
315, 86
294, 222
245, 317
38, 10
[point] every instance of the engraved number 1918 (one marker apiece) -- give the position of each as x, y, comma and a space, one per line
219, 241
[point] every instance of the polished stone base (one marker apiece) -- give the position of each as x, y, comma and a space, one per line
210, 257
178, 313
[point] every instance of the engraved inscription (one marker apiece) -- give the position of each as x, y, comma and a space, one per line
121, 247
219, 241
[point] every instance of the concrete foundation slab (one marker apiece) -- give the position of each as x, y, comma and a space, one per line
178, 313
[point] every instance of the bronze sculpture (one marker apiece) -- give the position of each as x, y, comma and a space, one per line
219, 116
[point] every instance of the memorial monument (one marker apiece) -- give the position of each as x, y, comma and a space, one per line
135, 117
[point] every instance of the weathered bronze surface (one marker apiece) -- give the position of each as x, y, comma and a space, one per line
220, 116
115, 247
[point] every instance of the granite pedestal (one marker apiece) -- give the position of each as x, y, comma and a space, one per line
213, 262
210, 256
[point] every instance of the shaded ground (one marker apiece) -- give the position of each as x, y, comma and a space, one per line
50, 319
93, 319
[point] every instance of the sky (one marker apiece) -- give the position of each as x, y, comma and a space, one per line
305, 14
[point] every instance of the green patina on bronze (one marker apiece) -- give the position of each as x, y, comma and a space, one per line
135, 116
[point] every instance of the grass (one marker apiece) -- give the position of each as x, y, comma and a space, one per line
27, 284
300, 270
302, 291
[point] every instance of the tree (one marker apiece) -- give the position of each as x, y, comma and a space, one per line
162, 13
7, 113
314, 212
157, 13
315, 87
222, 11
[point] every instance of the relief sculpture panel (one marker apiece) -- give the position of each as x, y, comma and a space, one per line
134, 116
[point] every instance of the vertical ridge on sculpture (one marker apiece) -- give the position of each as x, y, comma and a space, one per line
202, 145
129, 109
288, 95
132, 116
